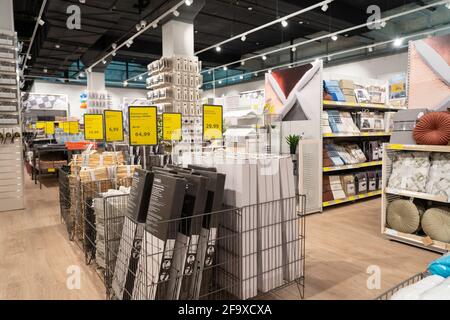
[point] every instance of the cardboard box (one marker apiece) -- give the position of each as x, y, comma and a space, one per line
346, 84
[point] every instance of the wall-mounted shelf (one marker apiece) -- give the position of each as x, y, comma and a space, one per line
353, 166
351, 198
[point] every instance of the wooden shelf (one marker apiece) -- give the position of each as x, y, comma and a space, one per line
355, 105
353, 166
360, 134
419, 195
418, 147
416, 240
351, 198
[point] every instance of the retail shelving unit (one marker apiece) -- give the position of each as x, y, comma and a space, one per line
391, 194
11, 158
354, 137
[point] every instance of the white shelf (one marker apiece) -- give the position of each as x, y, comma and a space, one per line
353, 166
418, 147
360, 134
419, 195
354, 105
351, 198
416, 240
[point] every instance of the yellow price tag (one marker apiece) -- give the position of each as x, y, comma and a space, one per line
171, 126
143, 126
212, 122
395, 147
93, 127
74, 127
49, 127
40, 125
113, 125
51, 169
66, 127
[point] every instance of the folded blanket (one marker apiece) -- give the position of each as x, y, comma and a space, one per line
415, 291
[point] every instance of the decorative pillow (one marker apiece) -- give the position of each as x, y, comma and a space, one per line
433, 129
403, 216
436, 223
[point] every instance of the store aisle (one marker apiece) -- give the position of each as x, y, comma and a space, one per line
35, 251
341, 244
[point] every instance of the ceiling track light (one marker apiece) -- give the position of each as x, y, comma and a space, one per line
29, 57
284, 23
104, 61
140, 77
334, 37
113, 53
125, 83
155, 25
129, 43
294, 49
241, 77
244, 37
41, 22
447, 5
269, 71
81, 74
242, 63
218, 49
220, 81
370, 49
225, 68
324, 7
256, 74
264, 58
398, 42
89, 70
45, 70
114, 45
176, 13
188, 2
57, 46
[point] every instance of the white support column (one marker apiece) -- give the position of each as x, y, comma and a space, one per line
178, 38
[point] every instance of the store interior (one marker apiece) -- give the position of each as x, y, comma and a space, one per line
212, 149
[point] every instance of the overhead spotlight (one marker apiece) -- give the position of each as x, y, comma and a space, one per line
324, 7
29, 57
25, 67
256, 74
45, 70
82, 1
89, 70
294, 49
300, 22
370, 49
290, 66
250, 8
225, 68
328, 58
220, 81
176, 13
242, 63
209, 71
218, 49
241, 77
398, 42
41, 22
104, 61
125, 83
334, 37
244, 37
448, 5
113, 53
114, 45
264, 58
284, 23
81, 74
138, 27
140, 78
188, 2
143, 23
57, 46
269, 71
129, 43
155, 25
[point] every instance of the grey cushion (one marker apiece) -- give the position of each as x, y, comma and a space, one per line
436, 223
403, 216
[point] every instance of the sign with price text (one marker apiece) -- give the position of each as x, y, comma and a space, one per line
65, 126
93, 127
73, 127
143, 129
49, 127
212, 122
171, 126
113, 125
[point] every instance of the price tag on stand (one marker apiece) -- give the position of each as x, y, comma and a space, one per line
49, 127
66, 127
93, 127
113, 125
171, 126
143, 130
40, 125
212, 122
74, 127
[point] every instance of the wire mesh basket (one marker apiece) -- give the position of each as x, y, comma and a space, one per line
68, 195
236, 253
414, 279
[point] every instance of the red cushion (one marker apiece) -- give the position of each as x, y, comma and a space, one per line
433, 129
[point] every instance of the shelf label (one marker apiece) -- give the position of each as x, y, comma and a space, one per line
51, 169
212, 122
395, 146
427, 241
113, 125
143, 126
66, 127
93, 127
171, 126
391, 232
40, 125
74, 127
49, 127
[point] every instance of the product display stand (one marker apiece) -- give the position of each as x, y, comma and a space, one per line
390, 194
11, 155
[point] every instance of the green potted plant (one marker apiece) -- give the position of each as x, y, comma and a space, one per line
292, 141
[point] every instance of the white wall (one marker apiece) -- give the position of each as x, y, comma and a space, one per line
73, 92
382, 68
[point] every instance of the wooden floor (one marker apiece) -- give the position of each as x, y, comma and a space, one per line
341, 244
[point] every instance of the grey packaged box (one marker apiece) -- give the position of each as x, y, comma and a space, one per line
404, 124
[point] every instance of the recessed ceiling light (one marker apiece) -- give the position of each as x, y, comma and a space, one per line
334, 37
195, 31
329, 58
218, 49
284, 23
398, 42
346, 35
